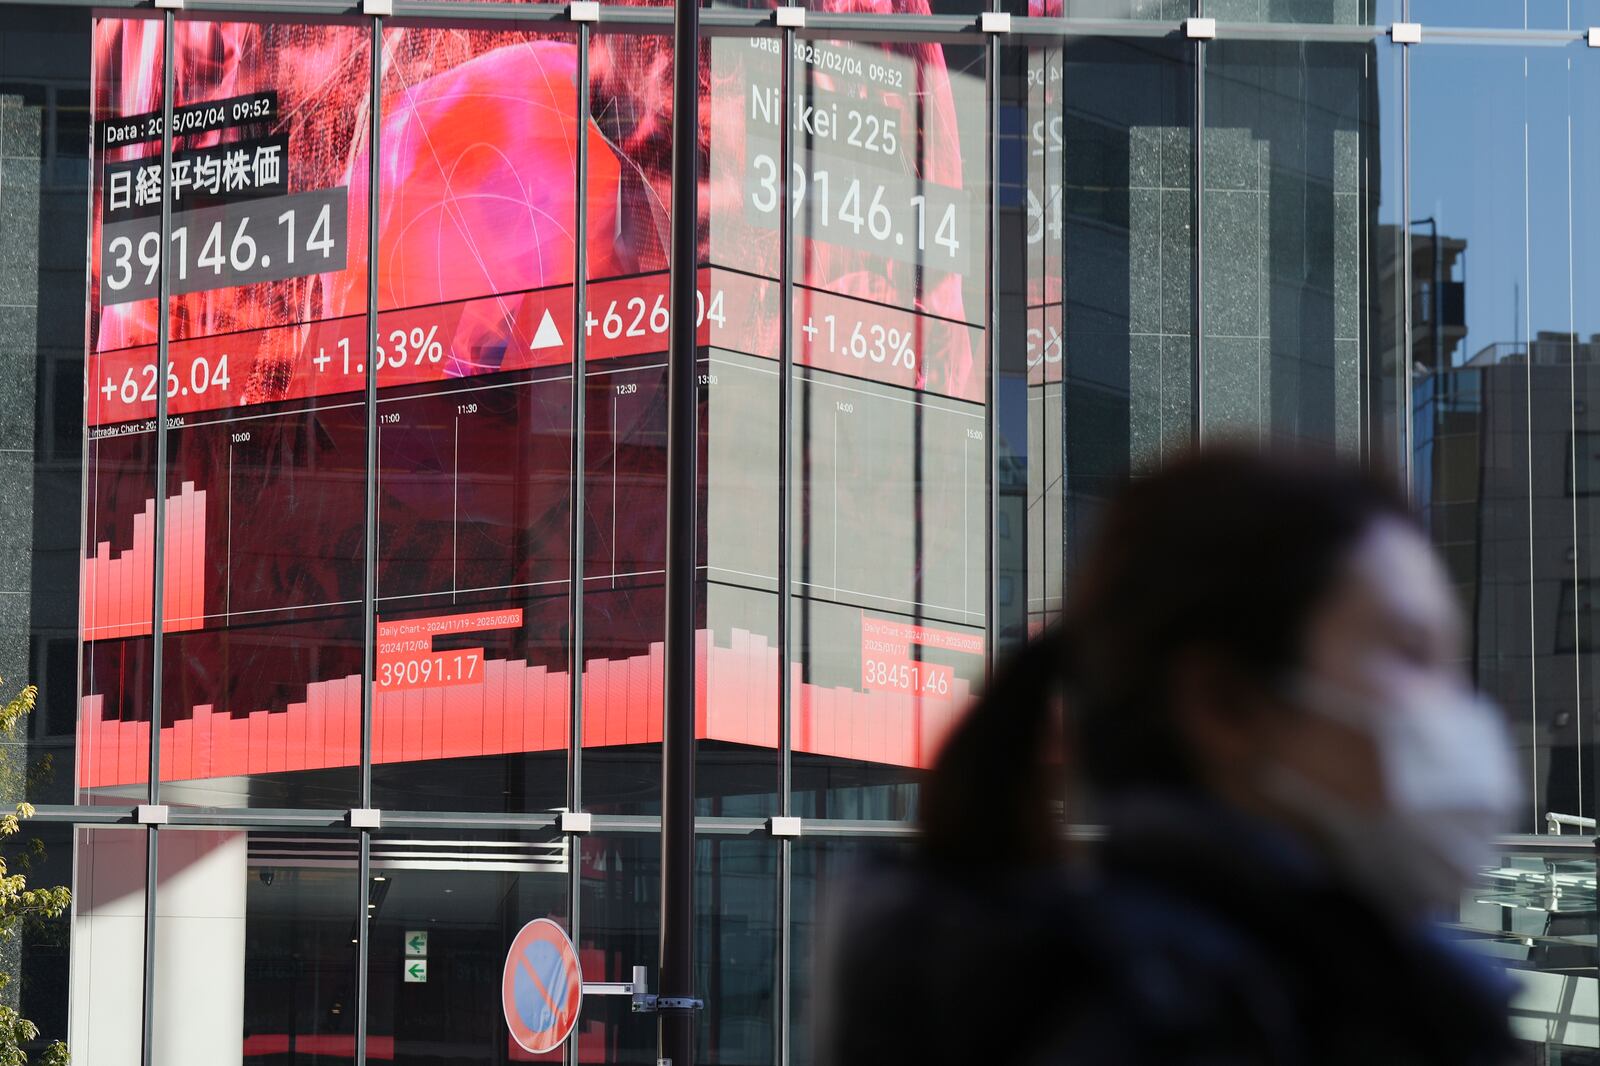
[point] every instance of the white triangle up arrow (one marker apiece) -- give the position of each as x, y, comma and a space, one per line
547, 336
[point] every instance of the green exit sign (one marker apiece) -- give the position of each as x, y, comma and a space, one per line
415, 971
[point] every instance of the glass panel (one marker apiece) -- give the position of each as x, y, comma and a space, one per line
44, 175
625, 477
1291, 147
266, 449
107, 965
1142, 10
822, 869
1534, 912
619, 921
736, 923
1501, 14
907, 7
1335, 12
37, 960
1492, 245
889, 480
1104, 202
1576, 624
467, 895
255, 947
738, 759
118, 555
475, 298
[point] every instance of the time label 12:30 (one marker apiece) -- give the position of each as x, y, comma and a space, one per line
233, 244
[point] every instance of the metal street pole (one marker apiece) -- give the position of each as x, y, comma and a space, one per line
676, 1003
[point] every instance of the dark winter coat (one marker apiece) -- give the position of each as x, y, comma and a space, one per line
1194, 936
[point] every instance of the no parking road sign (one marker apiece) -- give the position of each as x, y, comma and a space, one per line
542, 986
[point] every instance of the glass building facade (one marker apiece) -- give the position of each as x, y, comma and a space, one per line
398, 398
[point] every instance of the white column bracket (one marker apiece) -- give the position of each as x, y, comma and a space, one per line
783, 826
365, 818
152, 814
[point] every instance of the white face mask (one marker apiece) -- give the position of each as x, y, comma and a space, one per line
1451, 784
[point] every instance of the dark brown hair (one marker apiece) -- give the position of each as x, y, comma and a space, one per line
1227, 551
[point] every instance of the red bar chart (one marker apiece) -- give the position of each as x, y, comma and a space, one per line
514, 707
118, 589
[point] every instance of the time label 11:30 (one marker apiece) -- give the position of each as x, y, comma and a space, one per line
233, 244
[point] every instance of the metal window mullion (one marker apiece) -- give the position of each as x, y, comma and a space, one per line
363, 943
151, 872
369, 592
163, 348
1061, 340
677, 1028
159, 538
991, 449
785, 445
1402, 357
576, 501
577, 505
1197, 322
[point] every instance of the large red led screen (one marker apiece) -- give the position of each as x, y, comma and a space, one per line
476, 246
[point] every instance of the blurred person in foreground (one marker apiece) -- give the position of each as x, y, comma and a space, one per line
1256, 692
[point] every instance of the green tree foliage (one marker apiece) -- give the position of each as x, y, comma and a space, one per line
19, 904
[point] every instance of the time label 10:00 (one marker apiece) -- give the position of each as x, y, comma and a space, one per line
241, 243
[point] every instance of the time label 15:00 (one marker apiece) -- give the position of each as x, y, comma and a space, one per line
233, 244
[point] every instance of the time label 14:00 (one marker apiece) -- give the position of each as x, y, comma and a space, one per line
233, 244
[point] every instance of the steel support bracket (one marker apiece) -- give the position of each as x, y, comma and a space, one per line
1200, 29
364, 818
1406, 33
377, 8
789, 18
1594, 36
576, 822
584, 11
995, 22
651, 1004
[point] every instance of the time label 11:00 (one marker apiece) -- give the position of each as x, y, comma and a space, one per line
233, 244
